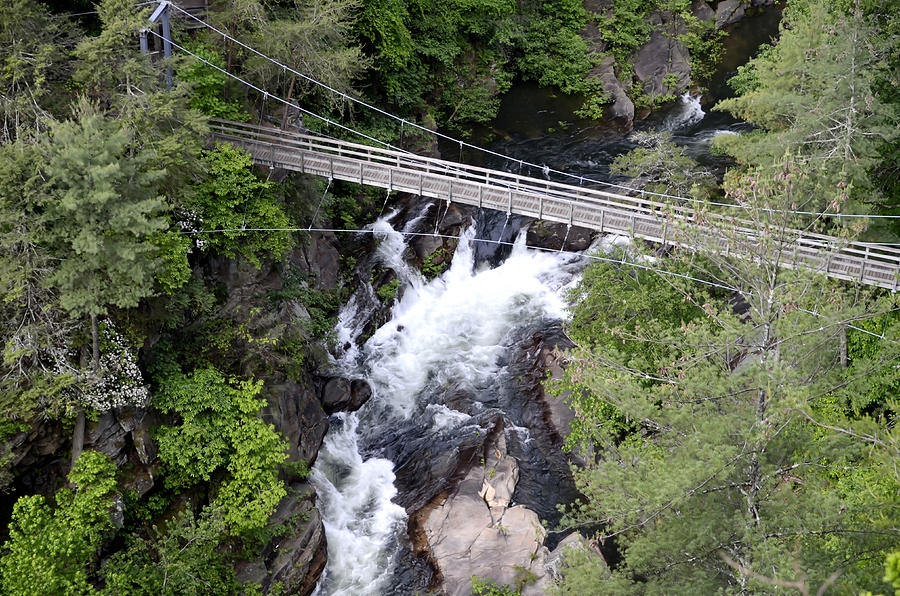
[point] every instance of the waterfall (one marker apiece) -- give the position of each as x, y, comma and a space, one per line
686, 114
452, 331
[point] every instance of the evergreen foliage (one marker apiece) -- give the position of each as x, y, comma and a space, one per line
661, 166
729, 443
312, 37
815, 94
35, 331
102, 208
33, 65
721, 461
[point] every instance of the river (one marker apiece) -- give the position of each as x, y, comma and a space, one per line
442, 368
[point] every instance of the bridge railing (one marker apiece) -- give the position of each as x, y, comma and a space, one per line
464, 172
576, 205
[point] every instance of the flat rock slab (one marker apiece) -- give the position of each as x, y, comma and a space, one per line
474, 532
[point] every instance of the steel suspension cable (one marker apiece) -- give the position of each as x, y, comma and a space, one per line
544, 168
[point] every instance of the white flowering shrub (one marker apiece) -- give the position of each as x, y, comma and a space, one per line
191, 222
119, 381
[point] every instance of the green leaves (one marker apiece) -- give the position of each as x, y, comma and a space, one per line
220, 431
51, 548
661, 166
232, 198
208, 85
32, 62
101, 208
181, 558
816, 94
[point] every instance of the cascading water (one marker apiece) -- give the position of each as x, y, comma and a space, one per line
687, 113
447, 336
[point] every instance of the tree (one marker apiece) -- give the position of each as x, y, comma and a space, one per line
33, 64
238, 18
221, 430
723, 455
315, 41
815, 95
102, 209
208, 85
131, 88
52, 548
232, 198
182, 557
661, 166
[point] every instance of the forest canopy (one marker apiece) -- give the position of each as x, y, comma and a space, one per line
735, 421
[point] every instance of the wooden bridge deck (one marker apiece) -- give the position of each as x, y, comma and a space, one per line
634, 216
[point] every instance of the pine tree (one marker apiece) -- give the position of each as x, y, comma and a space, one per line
102, 209
815, 94
316, 41
712, 469
33, 64
131, 88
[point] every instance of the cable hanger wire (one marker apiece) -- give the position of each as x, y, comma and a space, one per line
541, 167
521, 162
614, 261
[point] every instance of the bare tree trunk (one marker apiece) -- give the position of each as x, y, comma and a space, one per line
95, 338
284, 114
77, 437
78, 432
229, 51
843, 346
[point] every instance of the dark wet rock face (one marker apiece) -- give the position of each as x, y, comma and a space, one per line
343, 395
557, 236
296, 560
621, 107
663, 64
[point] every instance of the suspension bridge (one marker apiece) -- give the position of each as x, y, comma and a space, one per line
649, 216
639, 217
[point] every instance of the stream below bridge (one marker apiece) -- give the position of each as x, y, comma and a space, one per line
447, 366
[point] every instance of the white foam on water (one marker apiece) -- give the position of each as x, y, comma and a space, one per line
452, 329
687, 114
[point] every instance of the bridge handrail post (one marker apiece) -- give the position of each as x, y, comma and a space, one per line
862, 269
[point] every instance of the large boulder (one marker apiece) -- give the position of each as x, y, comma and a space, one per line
298, 559
663, 64
476, 532
558, 236
729, 12
320, 259
343, 395
296, 413
620, 108
702, 11
292, 562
